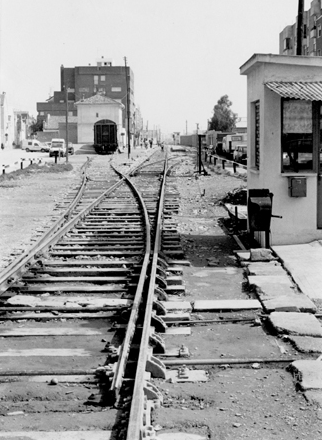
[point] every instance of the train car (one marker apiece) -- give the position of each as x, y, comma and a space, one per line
105, 137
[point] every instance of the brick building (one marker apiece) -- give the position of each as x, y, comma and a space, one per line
312, 33
83, 82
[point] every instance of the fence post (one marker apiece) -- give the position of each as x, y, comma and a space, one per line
235, 166
223, 164
215, 160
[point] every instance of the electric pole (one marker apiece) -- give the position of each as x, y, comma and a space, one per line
66, 92
128, 109
299, 34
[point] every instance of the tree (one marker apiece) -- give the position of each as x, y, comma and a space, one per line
223, 119
36, 126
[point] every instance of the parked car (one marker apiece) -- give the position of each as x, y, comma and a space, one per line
33, 145
240, 154
70, 148
59, 146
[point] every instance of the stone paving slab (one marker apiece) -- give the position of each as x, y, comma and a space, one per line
304, 262
226, 304
307, 344
308, 374
291, 302
269, 268
272, 291
301, 324
263, 280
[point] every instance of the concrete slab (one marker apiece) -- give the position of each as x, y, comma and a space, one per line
263, 280
243, 255
179, 436
178, 331
215, 305
301, 324
290, 302
304, 261
307, 344
314, 397
59, 435
269, 268
192, 376
271, 291
182, 306
308, 374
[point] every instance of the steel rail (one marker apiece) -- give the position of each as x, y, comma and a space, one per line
10, 274
135, 425
131, 327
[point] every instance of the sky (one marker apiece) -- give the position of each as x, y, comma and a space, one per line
185, 54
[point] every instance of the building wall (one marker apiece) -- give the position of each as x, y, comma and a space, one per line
299, 222
72, 132
88, 115
312, 42
81, 83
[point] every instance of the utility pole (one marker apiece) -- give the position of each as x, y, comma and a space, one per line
299, 34
128, 110
66, 97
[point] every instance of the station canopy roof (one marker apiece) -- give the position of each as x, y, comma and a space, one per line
310, 91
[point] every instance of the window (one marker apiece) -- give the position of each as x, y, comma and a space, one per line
116, 89
319, 53
103, 78
297, 135
95, 79
319, 31
257, 134
304, 31
287, 43
97, 115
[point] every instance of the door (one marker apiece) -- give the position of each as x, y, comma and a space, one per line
319, 167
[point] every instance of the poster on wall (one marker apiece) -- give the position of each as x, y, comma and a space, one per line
297, 116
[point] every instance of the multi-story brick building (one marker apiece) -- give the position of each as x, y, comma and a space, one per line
312, 33
83, 82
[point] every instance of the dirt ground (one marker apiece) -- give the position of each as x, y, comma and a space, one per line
237, 402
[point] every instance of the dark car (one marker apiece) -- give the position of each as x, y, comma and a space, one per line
70, 148
240, 154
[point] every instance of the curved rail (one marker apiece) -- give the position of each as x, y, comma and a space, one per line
135, 426
14, 270
119, 374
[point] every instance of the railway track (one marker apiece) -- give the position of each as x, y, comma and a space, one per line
98, 330
73, 336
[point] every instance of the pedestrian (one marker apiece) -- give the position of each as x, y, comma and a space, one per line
2, 146
151, 142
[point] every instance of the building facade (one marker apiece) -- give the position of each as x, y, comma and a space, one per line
84, 82
95, 109
312, 33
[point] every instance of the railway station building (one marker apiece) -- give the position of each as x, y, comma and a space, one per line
284, 107
84, 82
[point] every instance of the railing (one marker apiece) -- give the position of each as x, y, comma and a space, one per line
213, 157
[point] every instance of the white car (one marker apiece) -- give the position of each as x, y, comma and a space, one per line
33, 145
